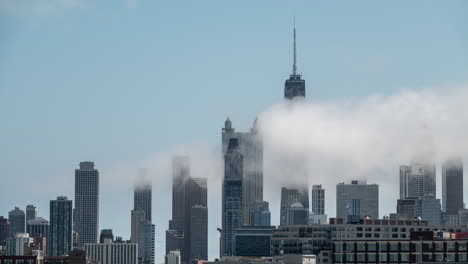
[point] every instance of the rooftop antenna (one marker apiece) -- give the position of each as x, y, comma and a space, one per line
294, 64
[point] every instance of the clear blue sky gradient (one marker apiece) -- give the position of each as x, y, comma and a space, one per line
111, 83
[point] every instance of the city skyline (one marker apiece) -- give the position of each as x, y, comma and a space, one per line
154, 145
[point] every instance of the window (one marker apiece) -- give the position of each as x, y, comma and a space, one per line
450, 246
461, 246
359, 235
394, 235
462, 257
371, 257
404, 257
393, 247
383, 247
371, 247
394, 257
402, 229
338, 258
368, 229
439, 246
394, 229
350, 257
361, 247
383, 257
450, 257
404, 246
377, 229
361, 257
376, 235
368, 235
349, 247
358, 228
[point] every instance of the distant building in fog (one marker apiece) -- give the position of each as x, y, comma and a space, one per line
17, 222
142, 194
318, 200
357, 200
261, 215
290, 196
31, 212
452, 186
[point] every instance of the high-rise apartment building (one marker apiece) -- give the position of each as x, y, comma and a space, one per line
261, 215
296, 214
357, 200
251, 147
59, 242
87, 203
138, 217
232, 196
318, 200
17, 222
452, 186
417, 181
4, 230
142, 194
31, 212
188, 196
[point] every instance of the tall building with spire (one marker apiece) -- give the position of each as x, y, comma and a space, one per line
251, 147
294, 87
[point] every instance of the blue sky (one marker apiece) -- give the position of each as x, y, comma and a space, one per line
117, 82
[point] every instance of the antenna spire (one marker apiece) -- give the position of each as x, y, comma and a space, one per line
294, 64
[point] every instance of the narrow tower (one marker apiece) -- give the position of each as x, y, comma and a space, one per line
294, 86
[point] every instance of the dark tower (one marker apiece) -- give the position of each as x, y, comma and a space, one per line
294, 86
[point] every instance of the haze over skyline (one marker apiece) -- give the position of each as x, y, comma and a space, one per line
127, 85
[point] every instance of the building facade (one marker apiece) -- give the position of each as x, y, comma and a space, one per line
318, 200
232, 196
31, 212
357, 200
143, 194
452, 186
38, 226
146, 243
87, 203
112, 253
60, 242
17, 222
4, 230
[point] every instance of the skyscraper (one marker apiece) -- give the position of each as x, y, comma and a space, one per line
417, 181
357, 200
87, 203
138, 217
146, 243
31, 212
296, 214
251, 147
232, 196
294, 87
4, 230
106, 235
318, 200
17, 222
261, 215
187, 193
59, 242
142, 194
199, 233
290, 196
452, 186
38, 227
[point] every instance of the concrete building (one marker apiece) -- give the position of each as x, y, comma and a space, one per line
232, 210
146, 243
317, 219
112, 253
61, 227
17, 222
31, 212
452, 186
318, 200
173, 257
4, 230
87, 203
251, 147
38, 226
357, 200
261, 215
142, 194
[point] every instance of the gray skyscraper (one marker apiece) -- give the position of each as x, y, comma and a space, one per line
146, 243
452, 186
199, 233
318, 200
188, 193
294, 87
59, 242
4, 230
251, 147
290, 196
417, 181
138, 217
232, 196
17, 222
357, 200
296, 214
87, 203
142, 194
31, 212
261, 215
